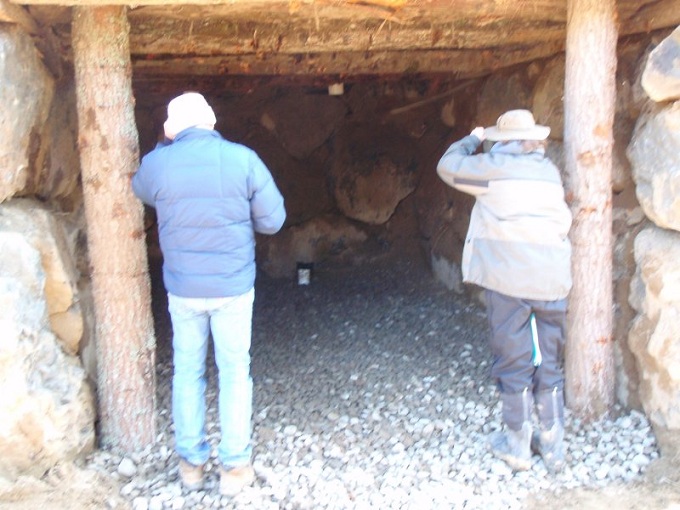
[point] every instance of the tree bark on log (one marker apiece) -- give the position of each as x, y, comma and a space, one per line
109, 155
590, 92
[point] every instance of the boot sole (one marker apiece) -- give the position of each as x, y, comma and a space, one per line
515, 463
236, 485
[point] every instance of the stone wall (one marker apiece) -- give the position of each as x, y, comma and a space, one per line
26, 96
46, 398
358, 175
654, 153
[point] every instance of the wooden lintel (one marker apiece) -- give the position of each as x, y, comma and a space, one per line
460, 63
634, 15
109, 155
384, 8
216, 36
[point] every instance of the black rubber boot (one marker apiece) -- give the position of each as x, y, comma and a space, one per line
548, 441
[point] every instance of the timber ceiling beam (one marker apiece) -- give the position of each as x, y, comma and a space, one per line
212, 35
466, 38
459, 63
635, 16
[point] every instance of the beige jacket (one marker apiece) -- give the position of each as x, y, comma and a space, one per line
517, 241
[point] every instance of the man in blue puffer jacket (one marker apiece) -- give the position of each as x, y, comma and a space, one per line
211, 197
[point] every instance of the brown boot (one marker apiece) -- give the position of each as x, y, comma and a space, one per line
232, 481
190, 475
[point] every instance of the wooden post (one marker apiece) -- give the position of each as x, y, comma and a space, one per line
589, 105
109, 155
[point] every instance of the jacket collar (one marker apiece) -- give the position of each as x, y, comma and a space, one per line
195, 132
513, 147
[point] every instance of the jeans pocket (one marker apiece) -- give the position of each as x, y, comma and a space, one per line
184, 307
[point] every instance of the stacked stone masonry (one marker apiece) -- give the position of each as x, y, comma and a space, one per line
364, 201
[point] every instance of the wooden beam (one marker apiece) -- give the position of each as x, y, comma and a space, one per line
459, 63
378, 8
430, 100
589, 105
215, 35
109, 155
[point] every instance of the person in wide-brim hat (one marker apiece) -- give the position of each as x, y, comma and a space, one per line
517, 248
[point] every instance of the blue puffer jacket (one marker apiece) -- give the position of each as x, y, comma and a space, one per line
211, 196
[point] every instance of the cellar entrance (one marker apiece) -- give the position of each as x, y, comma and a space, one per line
371, 381
355, 162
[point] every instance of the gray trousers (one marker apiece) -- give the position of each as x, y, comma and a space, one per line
512, 346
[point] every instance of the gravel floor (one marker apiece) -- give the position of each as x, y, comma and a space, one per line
372, 390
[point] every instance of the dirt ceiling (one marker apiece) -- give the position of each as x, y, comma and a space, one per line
328, 40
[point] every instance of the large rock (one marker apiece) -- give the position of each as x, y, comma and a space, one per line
56, 246
548, 99
443, 219
629, 218
46, 405
302, 122
301, 182
505, 91
630, 102
372, 172
25, 95
364, 99
628, 222
630, 95
654, 336
661, 77
313, 242
447, 272
655, 155
58, 178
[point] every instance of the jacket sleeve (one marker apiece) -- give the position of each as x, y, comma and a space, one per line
462, 170
143, 185
267, 210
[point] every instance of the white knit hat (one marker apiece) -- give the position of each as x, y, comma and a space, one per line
188, 110
516, 125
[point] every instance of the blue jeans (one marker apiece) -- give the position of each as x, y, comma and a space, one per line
229, 319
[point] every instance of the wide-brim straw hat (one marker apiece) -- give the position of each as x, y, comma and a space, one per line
516, 125
188, 110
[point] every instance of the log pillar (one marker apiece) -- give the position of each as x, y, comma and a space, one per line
109, 155
589, 105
